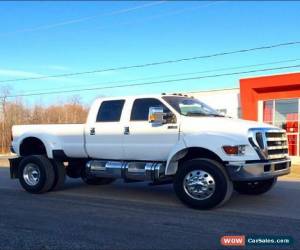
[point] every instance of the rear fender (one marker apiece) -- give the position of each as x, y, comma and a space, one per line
50, 142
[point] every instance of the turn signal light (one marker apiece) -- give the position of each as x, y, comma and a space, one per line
152, 118
235, 150
231, 150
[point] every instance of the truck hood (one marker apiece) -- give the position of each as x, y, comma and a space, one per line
224, 125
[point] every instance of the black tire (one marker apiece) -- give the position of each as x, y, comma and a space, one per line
222, 188
46, 174
60, 175
73, 170
254, 187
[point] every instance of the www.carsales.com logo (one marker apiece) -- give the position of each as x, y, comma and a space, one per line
255, 240
233, 240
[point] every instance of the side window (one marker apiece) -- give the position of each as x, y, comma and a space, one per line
110, 111
140, 108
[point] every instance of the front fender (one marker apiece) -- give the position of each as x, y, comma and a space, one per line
178, 152
212, 142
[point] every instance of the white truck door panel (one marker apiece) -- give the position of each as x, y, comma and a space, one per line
104, 137
145, 141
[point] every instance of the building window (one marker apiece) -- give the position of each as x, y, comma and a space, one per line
284, 114
268, 112
239, 112
293, 144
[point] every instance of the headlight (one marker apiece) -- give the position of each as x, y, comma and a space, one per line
235, 150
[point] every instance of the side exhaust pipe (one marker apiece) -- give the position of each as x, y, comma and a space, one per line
141, 171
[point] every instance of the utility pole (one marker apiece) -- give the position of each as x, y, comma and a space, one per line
5, 93
3, 101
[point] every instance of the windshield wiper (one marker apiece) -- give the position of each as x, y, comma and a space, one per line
195, 113
217, 115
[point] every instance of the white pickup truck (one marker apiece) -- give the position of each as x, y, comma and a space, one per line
157, 138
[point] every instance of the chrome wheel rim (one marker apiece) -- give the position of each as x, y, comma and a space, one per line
31, 174
199, 184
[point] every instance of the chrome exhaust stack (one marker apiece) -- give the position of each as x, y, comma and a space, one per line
140, 171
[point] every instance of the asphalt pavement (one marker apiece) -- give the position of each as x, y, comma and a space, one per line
138, 216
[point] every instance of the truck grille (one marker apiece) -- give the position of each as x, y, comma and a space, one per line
271, 144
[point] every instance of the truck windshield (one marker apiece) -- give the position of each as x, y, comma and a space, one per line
190, 107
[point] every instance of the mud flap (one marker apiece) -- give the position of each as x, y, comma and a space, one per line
14, 164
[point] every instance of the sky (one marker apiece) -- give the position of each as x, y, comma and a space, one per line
50, 38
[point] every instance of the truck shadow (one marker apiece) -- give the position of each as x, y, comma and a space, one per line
274, 203
282, 198
137, 191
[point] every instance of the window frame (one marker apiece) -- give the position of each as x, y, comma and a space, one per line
144, 98
106, 101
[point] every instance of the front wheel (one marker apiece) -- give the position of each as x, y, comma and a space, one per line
254, 187
202, 184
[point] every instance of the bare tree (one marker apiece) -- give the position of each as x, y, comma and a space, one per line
4, 92
16, 112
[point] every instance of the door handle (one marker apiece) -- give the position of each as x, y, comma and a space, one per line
172, 127
92, 131
126, 131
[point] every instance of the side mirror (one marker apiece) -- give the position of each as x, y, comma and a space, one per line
156, 115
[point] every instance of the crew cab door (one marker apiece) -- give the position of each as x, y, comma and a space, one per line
145, 141
104, 135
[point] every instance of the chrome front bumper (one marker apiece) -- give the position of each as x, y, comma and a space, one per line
259, 170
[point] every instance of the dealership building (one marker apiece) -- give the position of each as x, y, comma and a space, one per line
271, 99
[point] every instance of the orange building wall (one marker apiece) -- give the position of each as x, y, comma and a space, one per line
255, 89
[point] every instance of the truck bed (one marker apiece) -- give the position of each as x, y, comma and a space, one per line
70, 137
